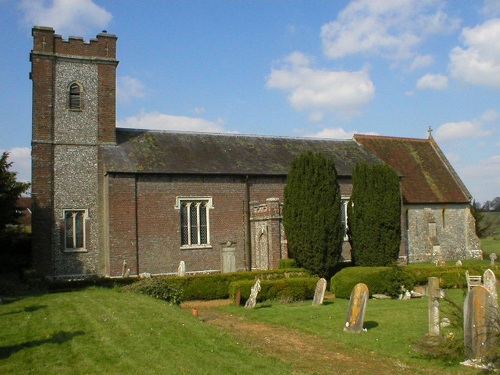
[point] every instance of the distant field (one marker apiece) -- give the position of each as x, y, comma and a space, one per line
491, 245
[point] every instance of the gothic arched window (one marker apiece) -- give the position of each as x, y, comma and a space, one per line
75, 97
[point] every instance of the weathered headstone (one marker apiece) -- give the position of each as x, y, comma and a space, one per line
357, 308
490, 283
124, 268
319, 293
458, 263
480, 322
433, 291
252, 300
493, 257
181, 270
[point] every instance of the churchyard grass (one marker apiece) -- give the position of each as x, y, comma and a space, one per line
392, 327
104, 331
491, 245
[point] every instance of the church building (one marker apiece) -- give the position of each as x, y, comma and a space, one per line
110, 201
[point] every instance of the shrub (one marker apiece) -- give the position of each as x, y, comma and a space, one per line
286, 264
380, 280
287, 290
451, 277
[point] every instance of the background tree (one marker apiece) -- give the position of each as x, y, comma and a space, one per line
374, 215
10, 191
312, 214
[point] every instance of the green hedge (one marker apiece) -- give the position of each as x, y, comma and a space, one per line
204, 287
288, 290
387, 280
380, 280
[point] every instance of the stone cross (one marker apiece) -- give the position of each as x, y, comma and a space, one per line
319, 293
433, 292
493, 257
490, 283
252, 300
480, 322
357, 307
181, 270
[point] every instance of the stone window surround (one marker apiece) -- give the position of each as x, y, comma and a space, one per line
179, 202
70, 103
83, 230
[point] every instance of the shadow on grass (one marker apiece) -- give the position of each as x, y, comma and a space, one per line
26, 309
370, 325
57, 338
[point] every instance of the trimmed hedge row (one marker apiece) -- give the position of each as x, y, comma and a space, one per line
287, 290
388, 280
380, 280
204, 287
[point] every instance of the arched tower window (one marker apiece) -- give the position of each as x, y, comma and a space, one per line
75, 97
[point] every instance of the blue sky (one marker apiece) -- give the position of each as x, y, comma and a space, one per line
290, 68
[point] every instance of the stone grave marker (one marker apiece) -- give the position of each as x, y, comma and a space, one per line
480, 322
433, 291
493, 257
357, 307
181, 270
490, 283
252, 300
319, 293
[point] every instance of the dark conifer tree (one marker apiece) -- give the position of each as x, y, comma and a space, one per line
312, 214
374, 215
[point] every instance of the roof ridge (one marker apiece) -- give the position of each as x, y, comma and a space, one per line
388, 137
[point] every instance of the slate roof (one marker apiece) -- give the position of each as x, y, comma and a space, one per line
169, 152
428, 177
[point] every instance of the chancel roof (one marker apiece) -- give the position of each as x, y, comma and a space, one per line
169, 152
427, 176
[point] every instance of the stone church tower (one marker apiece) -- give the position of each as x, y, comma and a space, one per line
74, 101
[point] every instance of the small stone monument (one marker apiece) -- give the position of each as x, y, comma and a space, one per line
181, 270
480, 322
433, 291
493, 257
124, 268
319, 293
490, 283
357, 307
252, 300
458, 263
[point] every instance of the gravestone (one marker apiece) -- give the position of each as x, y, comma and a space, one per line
458, 263
493, 257
252, 300
480, 322
357, 307
319, 293
181, 270
490, 283
124, 268
433, 291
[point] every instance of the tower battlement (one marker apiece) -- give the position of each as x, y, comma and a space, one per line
45, 41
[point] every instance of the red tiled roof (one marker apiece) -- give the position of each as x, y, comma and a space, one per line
427, 176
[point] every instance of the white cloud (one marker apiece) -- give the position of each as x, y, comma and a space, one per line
20, 157
321, 90
490, 115
393, 29
433, 81
335, 133
421, 61
478, 62
67, 17
483, 178
490, 8
458, 130
128, 87
161, 121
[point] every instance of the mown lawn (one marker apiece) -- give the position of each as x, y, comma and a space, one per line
104, 331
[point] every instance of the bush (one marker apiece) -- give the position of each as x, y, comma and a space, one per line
205, 287
286, 264
380, 280
451, 277
287, 290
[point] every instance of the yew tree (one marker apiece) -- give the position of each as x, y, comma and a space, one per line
312, 214
374, 215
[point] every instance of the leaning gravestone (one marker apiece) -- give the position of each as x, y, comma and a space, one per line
181, 270
319, 293
357, 308
480, 322
490, 283
252, 300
